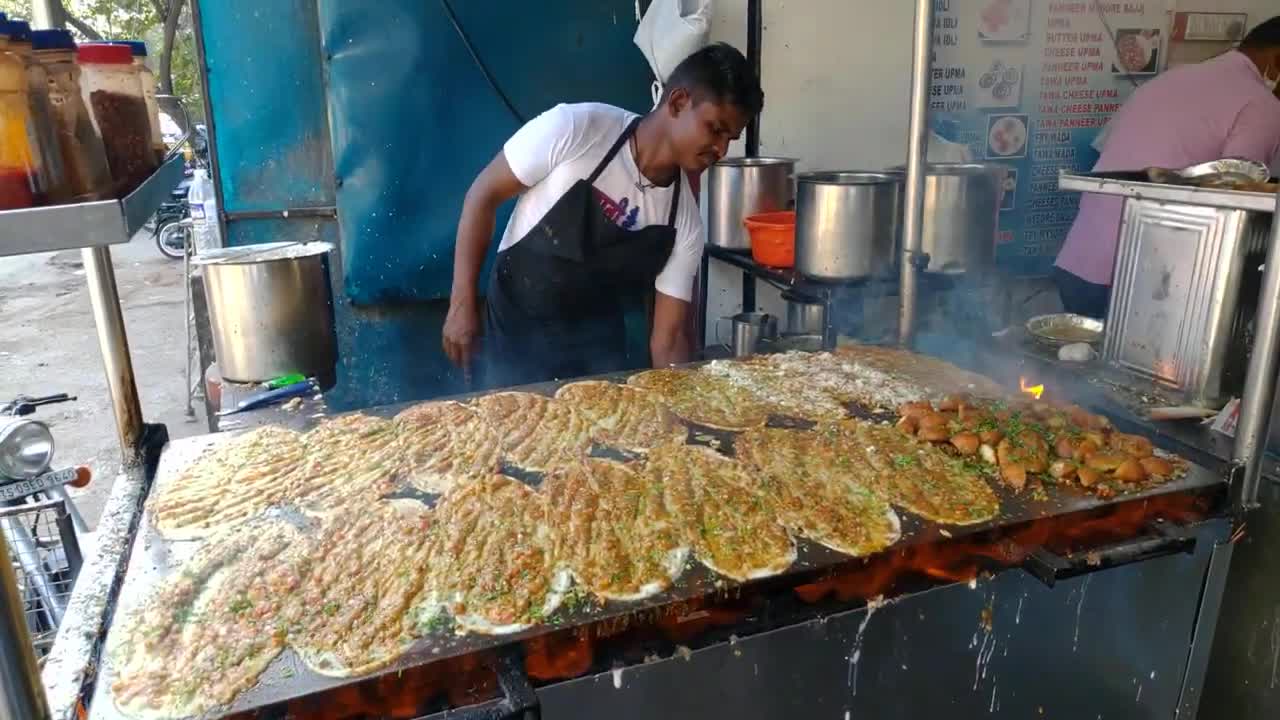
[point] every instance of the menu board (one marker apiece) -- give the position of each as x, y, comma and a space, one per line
1029, 84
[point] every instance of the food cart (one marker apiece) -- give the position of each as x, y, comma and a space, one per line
1060, 604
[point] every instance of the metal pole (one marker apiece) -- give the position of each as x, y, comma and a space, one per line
21, 694
114, 344
48, 14
1260, 383
755, 33
917, 139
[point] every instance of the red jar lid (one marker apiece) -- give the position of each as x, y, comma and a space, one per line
105, 54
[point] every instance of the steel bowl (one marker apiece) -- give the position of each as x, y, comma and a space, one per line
1060, 329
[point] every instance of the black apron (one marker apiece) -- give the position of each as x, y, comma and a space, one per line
555, 298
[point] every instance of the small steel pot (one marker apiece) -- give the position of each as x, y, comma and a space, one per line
749, 330
804, 318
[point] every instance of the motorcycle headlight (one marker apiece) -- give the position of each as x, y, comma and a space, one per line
26, 449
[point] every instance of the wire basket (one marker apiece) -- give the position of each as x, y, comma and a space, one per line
45, 555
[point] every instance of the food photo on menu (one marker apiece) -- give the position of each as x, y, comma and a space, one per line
1137, 51
1005, 21
1000, 86
1006, 136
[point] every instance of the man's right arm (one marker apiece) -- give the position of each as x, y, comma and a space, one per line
495, 185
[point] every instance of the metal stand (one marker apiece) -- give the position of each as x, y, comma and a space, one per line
1260, 382
114, 344
21, 695
917, 145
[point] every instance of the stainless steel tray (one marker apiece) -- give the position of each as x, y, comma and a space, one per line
1136, 185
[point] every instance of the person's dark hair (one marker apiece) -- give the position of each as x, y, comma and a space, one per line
1265, 35
720, 73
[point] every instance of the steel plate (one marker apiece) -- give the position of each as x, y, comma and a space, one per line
1061, 329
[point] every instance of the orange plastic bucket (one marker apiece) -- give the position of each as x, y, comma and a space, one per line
773, 238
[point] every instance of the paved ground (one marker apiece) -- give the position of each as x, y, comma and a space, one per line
48, 344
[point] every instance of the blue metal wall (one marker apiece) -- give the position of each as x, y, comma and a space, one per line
375, 107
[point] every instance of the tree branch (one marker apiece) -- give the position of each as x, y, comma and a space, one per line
82, 27
165, 68
158, 6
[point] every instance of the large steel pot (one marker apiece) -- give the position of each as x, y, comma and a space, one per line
847, 224
961, 213
270, 310
739, 187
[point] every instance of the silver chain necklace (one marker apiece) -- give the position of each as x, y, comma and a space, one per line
641, 183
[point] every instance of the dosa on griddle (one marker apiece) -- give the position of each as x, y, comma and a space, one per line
366, 570
818, 492
719, 506
492, 566
622, 416
614, 530
228, 484
703, 398
209, 630
536, 432
446, 443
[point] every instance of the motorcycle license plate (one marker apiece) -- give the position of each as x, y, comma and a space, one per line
23, 488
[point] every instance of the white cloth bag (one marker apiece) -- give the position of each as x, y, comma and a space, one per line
670, 31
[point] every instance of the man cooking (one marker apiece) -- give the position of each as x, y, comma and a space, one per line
1224, 107
603, 215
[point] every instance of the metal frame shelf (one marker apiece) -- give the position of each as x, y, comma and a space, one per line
92, 227
85, 225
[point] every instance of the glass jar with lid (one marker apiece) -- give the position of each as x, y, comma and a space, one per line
148, 81
18, 181
109, 84
49, 157
83, 158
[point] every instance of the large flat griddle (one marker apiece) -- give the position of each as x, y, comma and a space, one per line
152, 559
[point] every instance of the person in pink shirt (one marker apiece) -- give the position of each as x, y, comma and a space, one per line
1227, 106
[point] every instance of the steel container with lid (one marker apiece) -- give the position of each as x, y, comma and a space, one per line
743, 186
847, 224
270, 310
961, 214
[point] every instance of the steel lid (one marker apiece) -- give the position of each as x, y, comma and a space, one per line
849, 177
265, 252
758, 161
956, 168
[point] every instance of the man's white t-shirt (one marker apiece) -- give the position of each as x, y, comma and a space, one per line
563, 145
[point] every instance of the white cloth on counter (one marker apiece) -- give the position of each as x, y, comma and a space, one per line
563, 145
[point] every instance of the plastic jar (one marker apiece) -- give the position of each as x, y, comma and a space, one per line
110, 87
18, 182
56, 187
84, 160
148, 81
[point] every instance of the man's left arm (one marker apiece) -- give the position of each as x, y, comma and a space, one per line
669, 342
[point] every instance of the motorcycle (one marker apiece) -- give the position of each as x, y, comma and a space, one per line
165, 230
41, 524
171, 237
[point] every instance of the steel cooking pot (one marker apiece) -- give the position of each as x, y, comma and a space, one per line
847, 224
961, 212
270, 310
739, 187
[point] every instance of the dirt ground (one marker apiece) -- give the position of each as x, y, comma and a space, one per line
48, 344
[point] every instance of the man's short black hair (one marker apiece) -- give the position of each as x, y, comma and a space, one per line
1265, 35
720, 73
